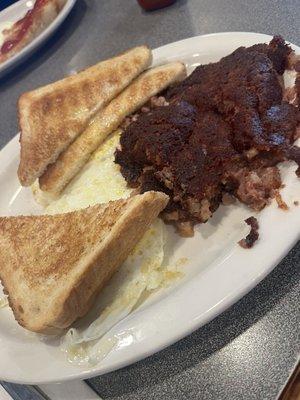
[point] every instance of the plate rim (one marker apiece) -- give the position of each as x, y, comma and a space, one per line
211, 313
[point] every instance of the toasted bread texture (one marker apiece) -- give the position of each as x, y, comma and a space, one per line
53, 267
70, 162
52, 116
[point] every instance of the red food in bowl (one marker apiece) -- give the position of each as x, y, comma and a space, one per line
150, 5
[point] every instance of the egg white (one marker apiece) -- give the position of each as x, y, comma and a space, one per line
100, 181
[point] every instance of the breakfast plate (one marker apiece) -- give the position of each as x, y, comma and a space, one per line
215, 271
16, 11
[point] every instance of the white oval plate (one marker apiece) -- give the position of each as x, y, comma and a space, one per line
217, 274
17, 11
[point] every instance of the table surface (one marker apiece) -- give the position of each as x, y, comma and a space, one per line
249, 351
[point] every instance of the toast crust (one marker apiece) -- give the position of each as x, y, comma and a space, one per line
51, 117
53, 267
70, 162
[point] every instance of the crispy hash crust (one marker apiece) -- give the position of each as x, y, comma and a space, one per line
221, 130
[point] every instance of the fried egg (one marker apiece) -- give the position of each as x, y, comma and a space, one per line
100, 181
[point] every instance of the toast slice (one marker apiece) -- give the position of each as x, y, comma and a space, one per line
53, 266
70, 162
52, 116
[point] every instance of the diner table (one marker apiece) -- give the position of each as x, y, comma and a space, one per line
249, 351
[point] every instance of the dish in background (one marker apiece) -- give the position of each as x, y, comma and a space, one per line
14, 13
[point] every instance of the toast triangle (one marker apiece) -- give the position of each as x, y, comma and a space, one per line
54, 266
70, 161
51, 117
